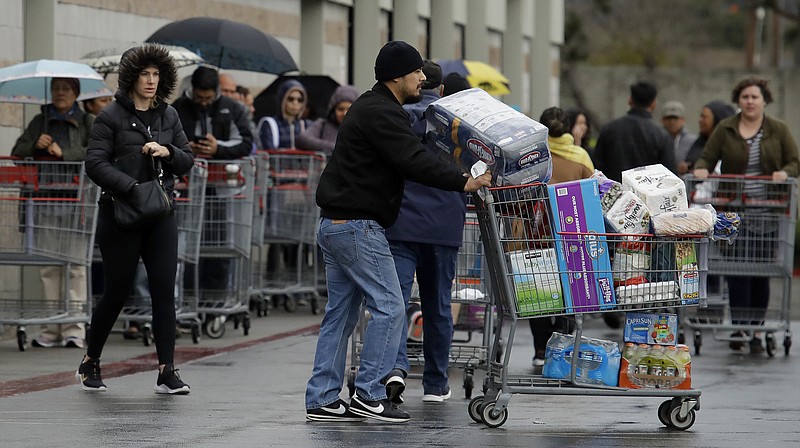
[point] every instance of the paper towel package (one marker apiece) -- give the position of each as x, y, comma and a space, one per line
629, 214
471, 125
537, 283
583, 259
660, 189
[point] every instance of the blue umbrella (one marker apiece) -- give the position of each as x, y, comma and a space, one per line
29, 82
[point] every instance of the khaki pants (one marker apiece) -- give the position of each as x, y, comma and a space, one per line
52, 285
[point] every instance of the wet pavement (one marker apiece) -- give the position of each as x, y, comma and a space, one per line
247, 391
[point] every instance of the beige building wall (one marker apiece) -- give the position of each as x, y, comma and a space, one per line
319, 42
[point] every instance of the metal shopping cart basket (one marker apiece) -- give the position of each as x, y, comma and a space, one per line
473, 312
189, 202
48, 213
226, 235
290, 227
763, 250
505, 208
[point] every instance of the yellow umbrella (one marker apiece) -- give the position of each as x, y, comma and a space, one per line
478, 74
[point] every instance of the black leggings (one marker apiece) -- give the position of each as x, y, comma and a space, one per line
157, 245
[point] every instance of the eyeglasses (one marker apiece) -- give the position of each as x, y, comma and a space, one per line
296, 99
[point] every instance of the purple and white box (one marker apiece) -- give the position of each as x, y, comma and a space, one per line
583, 260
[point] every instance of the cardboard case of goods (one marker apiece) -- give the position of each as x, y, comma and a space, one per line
537, 283
646, 328
659, 189
471, 125
583, 259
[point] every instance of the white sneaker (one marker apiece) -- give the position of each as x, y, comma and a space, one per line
75, 342
537, 362
44, 341
436, 398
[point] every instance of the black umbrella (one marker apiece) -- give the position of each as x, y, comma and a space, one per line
319, 89
227, 44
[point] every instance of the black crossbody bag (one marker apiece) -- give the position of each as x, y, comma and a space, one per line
145, 203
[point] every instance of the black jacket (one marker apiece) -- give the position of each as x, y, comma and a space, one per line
375, 151
118, 133
632, 141
229, 124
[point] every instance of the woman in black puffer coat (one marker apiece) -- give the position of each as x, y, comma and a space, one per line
125, 137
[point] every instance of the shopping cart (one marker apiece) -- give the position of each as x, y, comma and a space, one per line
505, 208
226, 237
472, 312
764, 249
48, 212
261, 197
290, 227
189, 202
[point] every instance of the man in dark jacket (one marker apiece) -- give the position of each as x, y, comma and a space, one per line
216, 125
634, 140
359, 195
425, 240
218, 128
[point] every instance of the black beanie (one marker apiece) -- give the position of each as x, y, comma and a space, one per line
396, 59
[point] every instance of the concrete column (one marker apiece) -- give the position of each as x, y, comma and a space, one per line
513, 60
405, 21
312, 30
366, 42
39, 36
476, 37
541, 59
442, 29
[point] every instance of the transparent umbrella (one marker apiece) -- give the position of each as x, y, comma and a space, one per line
107, 61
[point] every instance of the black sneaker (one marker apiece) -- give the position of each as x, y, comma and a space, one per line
382, 410
395, 385
757, 345
334, 412
169, 382
88, 375
737, 341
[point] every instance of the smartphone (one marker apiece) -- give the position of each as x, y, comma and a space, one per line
199, 139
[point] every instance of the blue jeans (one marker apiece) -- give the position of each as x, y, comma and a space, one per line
435, 267
358, 265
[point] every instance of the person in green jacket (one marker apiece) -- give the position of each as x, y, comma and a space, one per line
59, 133
754, 144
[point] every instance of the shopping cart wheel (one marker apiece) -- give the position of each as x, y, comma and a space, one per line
22, 340
663, 413
679, 423
290, 304
315, 307
146, 335
772, 345
214, 327
469, 384
246, 324
195, 333
494, 419
787, 343
474, 409
698, 341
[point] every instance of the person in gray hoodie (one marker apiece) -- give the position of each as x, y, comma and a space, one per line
321, 135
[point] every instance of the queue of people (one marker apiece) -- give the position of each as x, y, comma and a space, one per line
391, 210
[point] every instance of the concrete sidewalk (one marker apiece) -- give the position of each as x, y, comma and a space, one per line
44, 368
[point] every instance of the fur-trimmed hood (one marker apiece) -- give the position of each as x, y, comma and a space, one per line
136, 59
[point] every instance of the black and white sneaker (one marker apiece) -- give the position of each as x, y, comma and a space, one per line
88, 375
395, 385
334, 412
169, 382
382, 410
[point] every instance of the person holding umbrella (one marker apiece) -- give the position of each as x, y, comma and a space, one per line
138, 127
59, 133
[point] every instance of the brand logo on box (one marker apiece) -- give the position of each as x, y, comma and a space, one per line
594, 246
481, 151
530, 158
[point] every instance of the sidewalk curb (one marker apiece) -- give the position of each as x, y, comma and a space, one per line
138, 364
